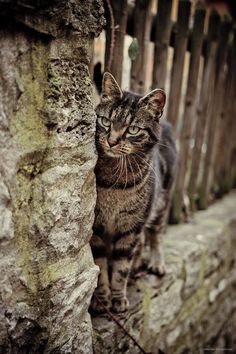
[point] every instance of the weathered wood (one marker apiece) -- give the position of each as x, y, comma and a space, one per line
224, 127
203, 110
217, 102
205, 121
114, 57
178, 61
230, 162
130, 31
189, 114
230, 168
163, 27
142, 29
232, 171
230, 157
226, 141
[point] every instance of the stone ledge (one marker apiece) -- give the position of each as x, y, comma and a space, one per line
193, 307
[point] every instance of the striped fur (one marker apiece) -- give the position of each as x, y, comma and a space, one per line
135, 172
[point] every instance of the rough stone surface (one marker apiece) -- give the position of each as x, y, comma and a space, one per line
47, 184
193, 307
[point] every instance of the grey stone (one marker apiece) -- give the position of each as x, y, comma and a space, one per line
47, 183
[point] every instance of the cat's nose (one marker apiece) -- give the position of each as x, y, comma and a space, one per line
112, 141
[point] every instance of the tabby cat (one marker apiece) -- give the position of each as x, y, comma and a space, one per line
135, 172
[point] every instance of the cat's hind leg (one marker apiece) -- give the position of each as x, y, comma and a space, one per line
154, 233
137, 263
102, 296
157, 259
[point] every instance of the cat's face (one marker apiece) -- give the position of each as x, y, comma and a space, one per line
127, 123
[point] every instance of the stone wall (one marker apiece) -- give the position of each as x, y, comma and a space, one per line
47, 184
193, 307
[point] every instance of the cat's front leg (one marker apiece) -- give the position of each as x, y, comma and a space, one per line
123, 253
102, 295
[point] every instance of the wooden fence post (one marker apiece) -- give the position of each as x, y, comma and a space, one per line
204, 104
115, 46
217, 101
221, 147
178, 61
163, 26
142, 30
189, 112
226, 141
201, 120
232, 126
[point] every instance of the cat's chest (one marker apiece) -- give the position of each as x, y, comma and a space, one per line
113, 209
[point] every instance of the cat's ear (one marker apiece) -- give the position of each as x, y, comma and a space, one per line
154, 102
110, 88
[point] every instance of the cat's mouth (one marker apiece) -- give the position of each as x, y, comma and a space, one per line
114, 153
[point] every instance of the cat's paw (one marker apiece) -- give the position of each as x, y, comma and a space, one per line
120, 304
157, 268
99, 303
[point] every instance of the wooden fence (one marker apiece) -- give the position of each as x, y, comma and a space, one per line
205, 127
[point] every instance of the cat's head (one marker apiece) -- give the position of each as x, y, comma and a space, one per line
127, 123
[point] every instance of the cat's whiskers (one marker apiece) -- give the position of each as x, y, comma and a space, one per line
121, 169
132, 172
140, 172
163, 145
126, 172
120, 174
117, 167
147, 164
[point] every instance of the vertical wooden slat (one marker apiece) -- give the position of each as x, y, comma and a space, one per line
221, 148
203, 111
229, 169
163, 27
189, 116
120, 13
142, 30
232, 172
230, 165
178, 61
227, 141
210, 139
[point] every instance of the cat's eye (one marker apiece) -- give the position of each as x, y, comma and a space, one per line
105, 122
133, 130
